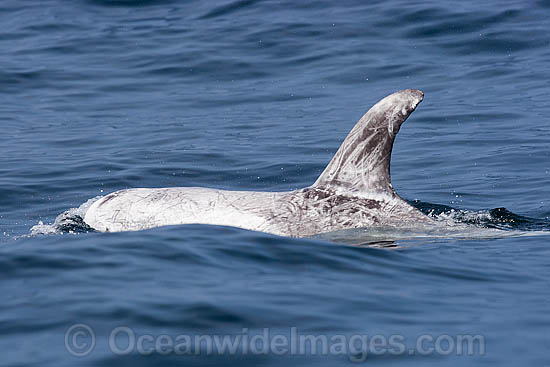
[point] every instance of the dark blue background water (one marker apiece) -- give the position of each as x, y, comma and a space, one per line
101, 95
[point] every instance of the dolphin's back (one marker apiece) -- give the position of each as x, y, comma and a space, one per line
137, 209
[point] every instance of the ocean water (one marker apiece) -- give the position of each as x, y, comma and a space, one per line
101, 95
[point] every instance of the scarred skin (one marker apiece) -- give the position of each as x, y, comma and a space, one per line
354, 191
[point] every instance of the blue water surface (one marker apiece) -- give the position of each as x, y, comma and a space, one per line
103, 95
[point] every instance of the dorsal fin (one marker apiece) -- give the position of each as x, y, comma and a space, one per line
362, 163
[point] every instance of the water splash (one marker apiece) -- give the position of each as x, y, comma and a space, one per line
497, 218
70, 221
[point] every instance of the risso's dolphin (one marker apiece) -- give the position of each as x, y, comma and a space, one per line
354, 191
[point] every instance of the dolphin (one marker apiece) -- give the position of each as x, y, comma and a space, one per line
354, 191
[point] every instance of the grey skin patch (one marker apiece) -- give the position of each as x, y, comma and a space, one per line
335, 200
354, 191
